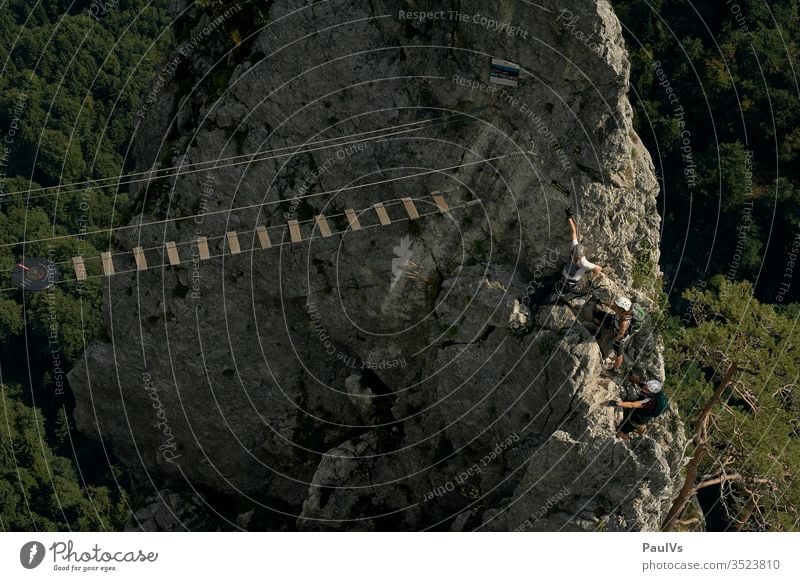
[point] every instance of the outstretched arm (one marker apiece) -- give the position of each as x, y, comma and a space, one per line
573, 228
596, 269
630, 404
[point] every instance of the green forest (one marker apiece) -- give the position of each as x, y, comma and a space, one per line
729, 72
72, 81
729, 177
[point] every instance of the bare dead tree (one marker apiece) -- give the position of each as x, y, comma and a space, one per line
700, 439
752, 504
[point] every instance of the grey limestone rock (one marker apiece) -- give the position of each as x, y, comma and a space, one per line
368, 381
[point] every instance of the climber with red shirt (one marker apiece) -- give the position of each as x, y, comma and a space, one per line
652, 403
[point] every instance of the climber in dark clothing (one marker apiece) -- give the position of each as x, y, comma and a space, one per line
651, 403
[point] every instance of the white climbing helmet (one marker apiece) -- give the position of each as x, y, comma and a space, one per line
623, 303
653, 386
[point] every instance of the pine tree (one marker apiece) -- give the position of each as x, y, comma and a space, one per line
753, 431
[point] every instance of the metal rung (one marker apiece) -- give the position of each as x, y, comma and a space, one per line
440, 203
172, 254
263, 237
294, 231
322, 225
382, 215
108, 263
80, 268
233, 242
411, 209
202, 248
352, 217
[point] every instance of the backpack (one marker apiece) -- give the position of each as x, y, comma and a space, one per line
639, 317
662, 403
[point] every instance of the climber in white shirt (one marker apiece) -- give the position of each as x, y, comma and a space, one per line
578, 266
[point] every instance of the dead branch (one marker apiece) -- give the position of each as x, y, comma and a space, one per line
701, 448
725, 478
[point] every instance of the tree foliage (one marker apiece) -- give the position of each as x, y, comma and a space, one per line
732, 68
69, 88
754, 434
41, 490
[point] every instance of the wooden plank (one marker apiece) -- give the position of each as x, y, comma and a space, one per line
108, 263
352, 217
233, 242
172, 254
202, 248
440, 203
263, 237
80, 268
322, 225
411, 209
138, 256
294, 231
383, 216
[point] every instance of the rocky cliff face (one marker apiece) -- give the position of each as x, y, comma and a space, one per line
322, 384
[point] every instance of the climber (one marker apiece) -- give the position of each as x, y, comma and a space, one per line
578, 266
651, 403
619, 325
